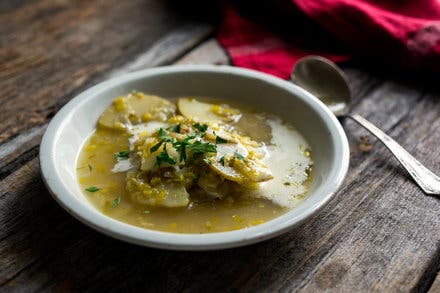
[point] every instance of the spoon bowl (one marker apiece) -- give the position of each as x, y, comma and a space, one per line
325, 80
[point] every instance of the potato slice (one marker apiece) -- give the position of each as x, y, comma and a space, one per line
111, 118
206, 112
234, 169
136, 108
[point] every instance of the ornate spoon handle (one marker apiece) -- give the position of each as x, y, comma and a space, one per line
428, 181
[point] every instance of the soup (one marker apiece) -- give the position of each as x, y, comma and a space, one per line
192, 165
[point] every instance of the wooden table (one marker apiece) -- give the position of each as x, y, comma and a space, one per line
379, 233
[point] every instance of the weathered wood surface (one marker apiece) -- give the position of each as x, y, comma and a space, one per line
380, 232
50, 49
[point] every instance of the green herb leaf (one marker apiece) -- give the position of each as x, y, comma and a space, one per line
116, 201
188, 138
200, 127
218, 140
123, 155
145, 212
163, 157
180, 147
163, 134
156, 146
200, 148
203, 147
239, 156
90, 168
92, 189
222, 160
175, 128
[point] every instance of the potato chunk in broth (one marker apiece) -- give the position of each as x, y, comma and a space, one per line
194, 166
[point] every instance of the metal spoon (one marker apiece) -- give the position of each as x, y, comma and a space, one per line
327, 81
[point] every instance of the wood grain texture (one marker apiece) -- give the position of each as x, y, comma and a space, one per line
379, 233
208, 52
20, 149
52, 49
20, 142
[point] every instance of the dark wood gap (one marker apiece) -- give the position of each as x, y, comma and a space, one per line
22, 160
429, 276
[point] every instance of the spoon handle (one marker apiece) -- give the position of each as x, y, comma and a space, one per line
428, 181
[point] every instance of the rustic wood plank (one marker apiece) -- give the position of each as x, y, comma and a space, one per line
22, 148
209, 52
167, 49
70, 44
171, 46
162, 52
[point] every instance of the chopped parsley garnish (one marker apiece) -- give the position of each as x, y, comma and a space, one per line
286, 183
122, 155
116, 201
90, 167
156, 146
92, 189
162, 133
200, 127
163, 157
218, 140
145, 212
222, 160
180, 147
175, 128
199, 148
202, 147
239, 156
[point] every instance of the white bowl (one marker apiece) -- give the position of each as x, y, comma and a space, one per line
72, 125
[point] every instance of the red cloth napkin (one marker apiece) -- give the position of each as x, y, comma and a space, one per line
403, 33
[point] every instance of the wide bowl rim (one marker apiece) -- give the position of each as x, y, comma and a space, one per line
178, 241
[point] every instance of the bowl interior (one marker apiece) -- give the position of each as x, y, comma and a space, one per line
77, 120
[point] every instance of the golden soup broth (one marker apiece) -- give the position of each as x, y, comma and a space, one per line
97, 159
